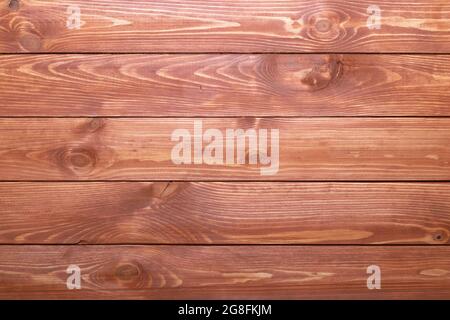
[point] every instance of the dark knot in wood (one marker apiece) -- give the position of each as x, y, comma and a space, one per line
127, 272
322, 75
76, 160
325, 26
14, 5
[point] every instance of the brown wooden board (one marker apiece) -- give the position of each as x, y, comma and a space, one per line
242, 272
224, 85
225, 26
149, 149
224, 213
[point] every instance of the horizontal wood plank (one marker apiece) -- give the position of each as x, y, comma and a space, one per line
228, 26
224, 85
142, 149
224, 213
243, 272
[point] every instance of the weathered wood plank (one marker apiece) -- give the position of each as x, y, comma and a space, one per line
243, 272
309, 149
228, 26
224, 213
224, 85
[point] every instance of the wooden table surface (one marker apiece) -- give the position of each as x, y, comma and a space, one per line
94, 92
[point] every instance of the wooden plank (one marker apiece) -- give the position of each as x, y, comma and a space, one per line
224, 213
228, 26
309, 149
224, 85
219, 272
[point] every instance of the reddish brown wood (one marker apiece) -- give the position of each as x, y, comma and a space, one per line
216, 240
224, 213
224, 85
140, 149
231, 26
243, 272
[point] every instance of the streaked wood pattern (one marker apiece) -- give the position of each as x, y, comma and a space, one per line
140, 149
228, 26
243, 272
87, 179
224, 213
224, 85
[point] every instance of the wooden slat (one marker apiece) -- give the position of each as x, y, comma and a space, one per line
309, 149
184, 272
224, 213
228, 26
224, 85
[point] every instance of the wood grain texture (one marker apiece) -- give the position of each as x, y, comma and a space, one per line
309, 149
224, 85
243, 272
224, 213
90, 181
228, 26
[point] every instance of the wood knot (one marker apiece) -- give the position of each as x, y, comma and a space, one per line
31, 42
321, 75
325, 26
78, 160
96, 124
81, 158
14, 5
161, 192
91, 126
440, 236
131, 275
127, 272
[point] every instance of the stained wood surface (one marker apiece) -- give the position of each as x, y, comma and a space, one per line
224, 213
224, 85
309, 149
228, 26
243, 272
87, 178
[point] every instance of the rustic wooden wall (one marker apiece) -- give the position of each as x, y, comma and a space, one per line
86, 176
